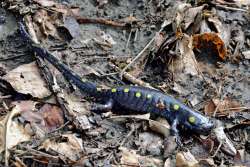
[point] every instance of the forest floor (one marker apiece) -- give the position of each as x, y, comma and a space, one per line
197, 51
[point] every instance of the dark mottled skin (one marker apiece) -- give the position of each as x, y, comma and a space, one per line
132, 97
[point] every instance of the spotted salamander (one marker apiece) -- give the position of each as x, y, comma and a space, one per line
132, 97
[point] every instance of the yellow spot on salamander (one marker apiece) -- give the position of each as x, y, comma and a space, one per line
113, 90
126, 90
149, 96
138, 94
176, 107
191, 119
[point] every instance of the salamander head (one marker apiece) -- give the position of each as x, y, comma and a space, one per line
195, 121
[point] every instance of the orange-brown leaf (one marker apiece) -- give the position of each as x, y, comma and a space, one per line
210, 41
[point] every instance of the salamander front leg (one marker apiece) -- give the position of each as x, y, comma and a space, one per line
175, 132
98, 108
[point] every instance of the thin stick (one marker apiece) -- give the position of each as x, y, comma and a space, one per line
129, 37
165, 23
229, 8
82, 20
137, 57
131, 78
128, 135
217, 150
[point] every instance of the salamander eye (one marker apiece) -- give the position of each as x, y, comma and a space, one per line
191, 119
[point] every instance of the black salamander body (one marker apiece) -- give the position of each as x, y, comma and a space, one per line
132, 97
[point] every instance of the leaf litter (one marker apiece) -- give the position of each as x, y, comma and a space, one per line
199, 55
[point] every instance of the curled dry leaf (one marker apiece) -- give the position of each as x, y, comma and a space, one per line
159, 38
207, 162
26, 79
150, 143
223, 30
210, 42
180, 14
170, 145
191, 14
76, 107
82, 122
241, 157
52, 115
161, 126
45, 24
187, 17
130, 158
47, 119
101, 3
72, 27
226, 145
246, 54
186, 63
11, 130
69, 149
186, 159
242, 2
73, 11
222, 108
45, 3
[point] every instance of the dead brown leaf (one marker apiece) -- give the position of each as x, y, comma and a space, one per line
47, 119
53, 116
222, 108
187, 18
186, 62
45, 3
225, 143
46, 25
11, 131
223, 30
26, 79
246, 54
70, 150
211, 42
150, 143
186, 159
159, 38
131, 158
159, 126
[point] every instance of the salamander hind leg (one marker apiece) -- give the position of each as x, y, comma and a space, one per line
99, 108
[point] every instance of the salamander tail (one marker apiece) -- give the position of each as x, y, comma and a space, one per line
85, 86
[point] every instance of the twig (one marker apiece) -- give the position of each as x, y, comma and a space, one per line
136, 34
229, 8
12, 57
236, 108
129, 37
142, 51
83, 20
137, 57
36, 152
59, 128
128, 135
5, 97
217, 150
131, 78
